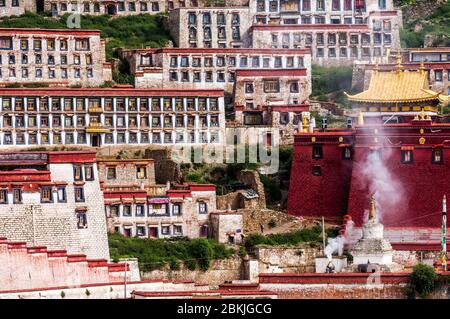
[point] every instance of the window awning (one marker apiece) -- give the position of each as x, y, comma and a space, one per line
158, 201
407, 148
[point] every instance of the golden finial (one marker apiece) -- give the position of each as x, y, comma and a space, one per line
305, 124
373, 210
377, 66
422, 67
360, 118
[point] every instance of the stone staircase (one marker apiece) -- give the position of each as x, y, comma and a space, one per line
24, 267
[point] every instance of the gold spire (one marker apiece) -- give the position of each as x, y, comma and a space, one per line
373, 210
422, 67
360, 118
377, 66
305, 124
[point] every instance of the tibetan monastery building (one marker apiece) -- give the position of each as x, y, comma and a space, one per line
396, 97
406, 166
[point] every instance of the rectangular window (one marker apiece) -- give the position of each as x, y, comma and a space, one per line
176, 209
78, 173
336, 5
202, 208
6, 43
126, 210
438, 156
17, 196
141, 172
271, 86
317, 152
89, 172
165, 230
407, 156
317, 170
3, 196
81, 220
177, 230
46, 195
61, 191
140, 212
140, 230
111, 173
347, 153
79, 194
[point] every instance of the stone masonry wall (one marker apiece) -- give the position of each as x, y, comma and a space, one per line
219, 272
55, 224
276, 259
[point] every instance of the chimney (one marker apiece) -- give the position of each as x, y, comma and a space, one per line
324, 123
349, 123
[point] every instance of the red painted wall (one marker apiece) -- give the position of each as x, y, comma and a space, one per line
325, 195
343, 187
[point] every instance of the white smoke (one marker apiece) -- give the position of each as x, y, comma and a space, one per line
386, 189
336, 245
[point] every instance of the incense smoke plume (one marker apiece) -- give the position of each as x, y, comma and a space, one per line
337, 244
385, 187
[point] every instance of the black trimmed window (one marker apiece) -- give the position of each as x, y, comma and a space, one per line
202, 208
89, 172
407, 156
114, 211
141, 172
79, 194
62, 195
317, 170
317, 152
176, 209
111, 172
3, 196
82, 220
78, 173
438, 155
140, 210
126, 212
17, 196
46, 195
347, 153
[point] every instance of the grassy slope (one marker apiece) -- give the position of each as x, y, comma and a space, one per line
437, 24
127, 32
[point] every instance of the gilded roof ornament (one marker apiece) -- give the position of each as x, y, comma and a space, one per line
373, 210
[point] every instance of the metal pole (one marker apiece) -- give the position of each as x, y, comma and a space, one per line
125, 281
444, 234
323, 233
34, 225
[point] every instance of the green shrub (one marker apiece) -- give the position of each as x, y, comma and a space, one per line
190, 264
306, 235
330, 79
422, 281
242, 252
156, 253
201, 250
272, 223
174, 264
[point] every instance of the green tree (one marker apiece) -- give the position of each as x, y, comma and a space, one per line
422, 281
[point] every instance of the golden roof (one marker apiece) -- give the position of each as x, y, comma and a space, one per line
396, 86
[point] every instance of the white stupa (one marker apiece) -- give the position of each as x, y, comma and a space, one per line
372, 248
